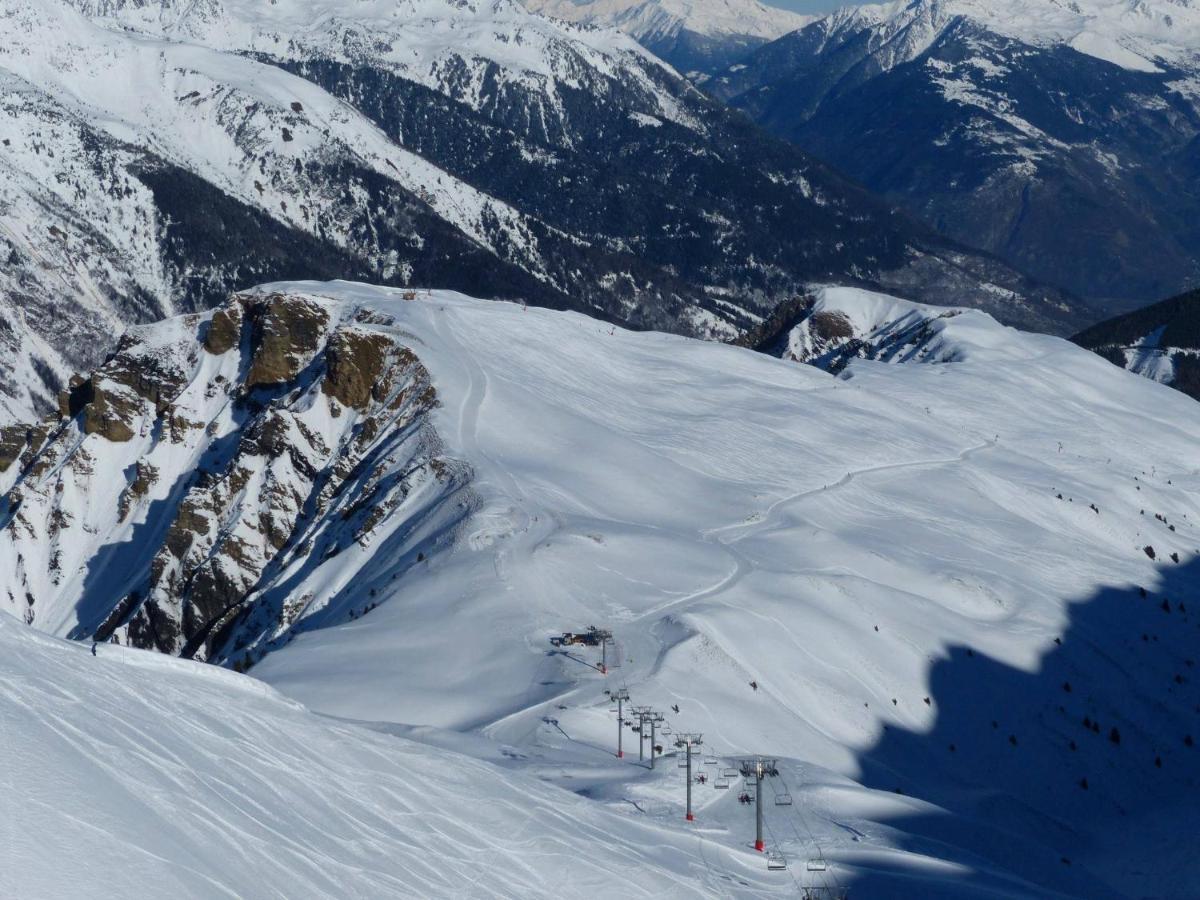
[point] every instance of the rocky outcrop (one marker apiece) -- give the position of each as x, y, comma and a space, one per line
224, 330
286, 335
13, 440
830, 337
257, 442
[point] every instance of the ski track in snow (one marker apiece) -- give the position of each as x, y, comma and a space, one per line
733, 518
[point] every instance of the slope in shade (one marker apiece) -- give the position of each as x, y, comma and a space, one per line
730, 540
1161, 342
1023, 752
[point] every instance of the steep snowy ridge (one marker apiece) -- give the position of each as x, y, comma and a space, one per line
214, 463
1129, 33
838, 326
656, 19
965, 589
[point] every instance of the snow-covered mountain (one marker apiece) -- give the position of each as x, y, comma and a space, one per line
157, 156
695, 36
1062, 136
1161, 342
948, 581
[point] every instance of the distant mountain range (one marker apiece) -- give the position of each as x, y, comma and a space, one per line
1063, 137
694, 36
157, 156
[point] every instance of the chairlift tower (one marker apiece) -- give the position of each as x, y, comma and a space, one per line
622, 697
686, 742
653, 718
757, 768
641, 712
604, 637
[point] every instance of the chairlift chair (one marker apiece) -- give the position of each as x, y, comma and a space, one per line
783, 799
730, 773
683, 762
710, 760
817, 865
776, 861
721, 784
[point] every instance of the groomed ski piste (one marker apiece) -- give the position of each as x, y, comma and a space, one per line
922, 586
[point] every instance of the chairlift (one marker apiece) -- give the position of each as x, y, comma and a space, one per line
710, 760
730, 773
721, 784
783, 799
817, 865
683, 763
776, 861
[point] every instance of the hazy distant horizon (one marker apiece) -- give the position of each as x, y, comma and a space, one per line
810, 6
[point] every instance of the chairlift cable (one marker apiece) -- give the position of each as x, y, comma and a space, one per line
812, 837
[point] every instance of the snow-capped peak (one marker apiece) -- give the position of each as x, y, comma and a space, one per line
655, 19
1128, 33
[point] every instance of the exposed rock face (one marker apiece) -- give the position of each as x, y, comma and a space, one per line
356, 361
13, 440
286, 336
256, 443
224, 330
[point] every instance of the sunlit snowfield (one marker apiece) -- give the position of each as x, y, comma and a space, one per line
885, 554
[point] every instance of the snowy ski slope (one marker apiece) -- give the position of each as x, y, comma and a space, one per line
130, 774
933, 566
736, 518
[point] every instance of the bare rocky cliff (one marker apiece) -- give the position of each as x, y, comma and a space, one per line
212, 457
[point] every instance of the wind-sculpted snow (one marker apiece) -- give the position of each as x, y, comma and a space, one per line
952, 587
129, 774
